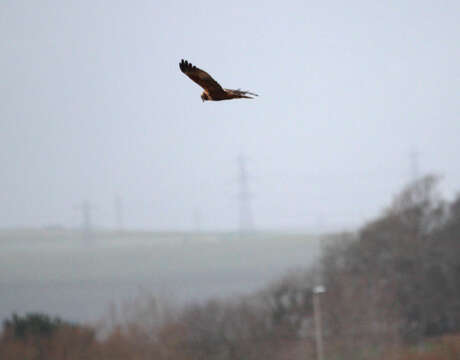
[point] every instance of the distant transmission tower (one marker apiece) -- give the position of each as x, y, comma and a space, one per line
414, 165
119, 213
246, 223
197, 220
86, 209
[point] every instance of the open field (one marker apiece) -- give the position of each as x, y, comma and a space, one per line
58, 272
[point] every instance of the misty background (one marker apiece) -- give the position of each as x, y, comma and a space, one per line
100, 129
354, 98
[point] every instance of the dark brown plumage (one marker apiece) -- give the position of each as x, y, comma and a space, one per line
212, 89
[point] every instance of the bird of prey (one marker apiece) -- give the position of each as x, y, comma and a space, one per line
212, 89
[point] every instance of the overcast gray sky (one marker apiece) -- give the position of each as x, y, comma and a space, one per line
92, 104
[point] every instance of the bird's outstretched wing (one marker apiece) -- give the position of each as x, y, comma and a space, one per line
202, 78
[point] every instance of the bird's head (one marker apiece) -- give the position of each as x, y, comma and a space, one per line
204, 96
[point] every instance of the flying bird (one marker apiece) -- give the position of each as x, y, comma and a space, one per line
212, 89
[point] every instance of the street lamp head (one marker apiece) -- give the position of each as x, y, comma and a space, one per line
319, 289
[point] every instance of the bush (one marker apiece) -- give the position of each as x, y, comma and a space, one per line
31, 325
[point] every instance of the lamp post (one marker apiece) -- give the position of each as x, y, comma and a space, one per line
317, 291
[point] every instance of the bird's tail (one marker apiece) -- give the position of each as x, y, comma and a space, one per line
242, 94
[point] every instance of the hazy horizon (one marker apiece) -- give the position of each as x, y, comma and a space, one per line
79, 279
